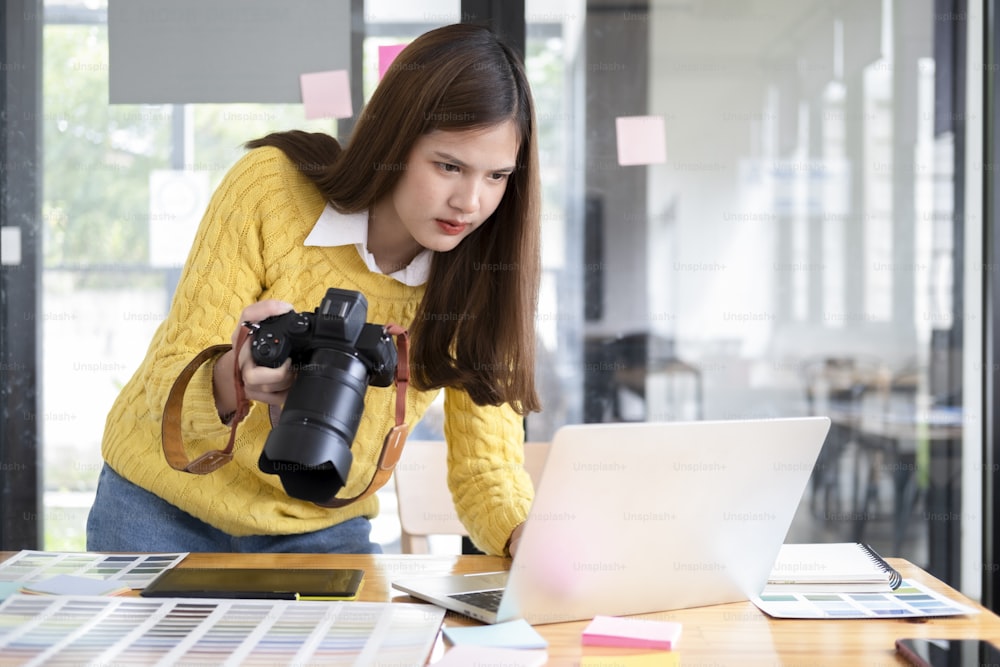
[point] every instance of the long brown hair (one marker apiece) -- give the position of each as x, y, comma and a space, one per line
475, 327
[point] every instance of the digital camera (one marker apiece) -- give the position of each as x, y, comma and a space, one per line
337, 355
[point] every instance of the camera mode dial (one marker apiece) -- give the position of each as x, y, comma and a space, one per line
269, 348
274, 338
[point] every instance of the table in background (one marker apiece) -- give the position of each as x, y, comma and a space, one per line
728, 634
890, 433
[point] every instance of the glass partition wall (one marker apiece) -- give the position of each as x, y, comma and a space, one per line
794, 253
798, 251
124, 187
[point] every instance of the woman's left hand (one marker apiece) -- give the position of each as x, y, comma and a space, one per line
515, 537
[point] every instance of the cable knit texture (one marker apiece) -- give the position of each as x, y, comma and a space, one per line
249, 247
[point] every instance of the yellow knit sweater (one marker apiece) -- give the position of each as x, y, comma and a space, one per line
250, 247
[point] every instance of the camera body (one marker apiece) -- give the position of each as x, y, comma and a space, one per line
337, 355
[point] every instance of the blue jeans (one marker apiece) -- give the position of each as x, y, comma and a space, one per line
128, 518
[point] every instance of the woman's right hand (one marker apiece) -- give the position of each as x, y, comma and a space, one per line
260, 383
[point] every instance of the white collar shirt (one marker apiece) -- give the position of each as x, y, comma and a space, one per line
339, 229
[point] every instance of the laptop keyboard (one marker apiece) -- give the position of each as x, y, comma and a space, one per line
488, 600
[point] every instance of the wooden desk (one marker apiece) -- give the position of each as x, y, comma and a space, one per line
730, 634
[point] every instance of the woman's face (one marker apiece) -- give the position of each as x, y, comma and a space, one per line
453, 182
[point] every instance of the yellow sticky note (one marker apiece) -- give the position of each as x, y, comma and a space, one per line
657, 659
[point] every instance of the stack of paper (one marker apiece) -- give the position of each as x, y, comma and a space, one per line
513, 644
516, 634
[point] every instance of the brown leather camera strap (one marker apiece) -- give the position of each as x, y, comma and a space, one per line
173, 442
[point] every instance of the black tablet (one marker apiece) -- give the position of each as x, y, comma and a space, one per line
258, 583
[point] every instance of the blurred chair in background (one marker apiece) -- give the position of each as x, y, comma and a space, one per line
879, 427
425, 504
834, 386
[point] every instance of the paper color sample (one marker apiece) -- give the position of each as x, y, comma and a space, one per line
641, 140
467, 654
386, 54
132, 570
631, 633
512, 634
910, 600
69, 584
60, 629
327, 94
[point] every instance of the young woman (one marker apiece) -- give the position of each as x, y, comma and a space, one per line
432, 212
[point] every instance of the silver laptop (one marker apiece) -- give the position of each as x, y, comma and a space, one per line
642, 517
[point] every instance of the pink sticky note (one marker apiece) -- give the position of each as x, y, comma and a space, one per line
631, 633
326, 94
386, 54
641, 140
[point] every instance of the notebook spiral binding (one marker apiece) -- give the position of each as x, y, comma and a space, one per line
895, 579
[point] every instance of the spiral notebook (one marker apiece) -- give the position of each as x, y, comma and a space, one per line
841, 567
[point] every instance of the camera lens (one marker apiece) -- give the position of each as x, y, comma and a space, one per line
310, 447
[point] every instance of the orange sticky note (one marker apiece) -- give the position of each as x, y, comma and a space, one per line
641, 140
326, 94
386, 54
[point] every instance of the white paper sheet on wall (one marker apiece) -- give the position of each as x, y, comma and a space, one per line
189, 51
177, 200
